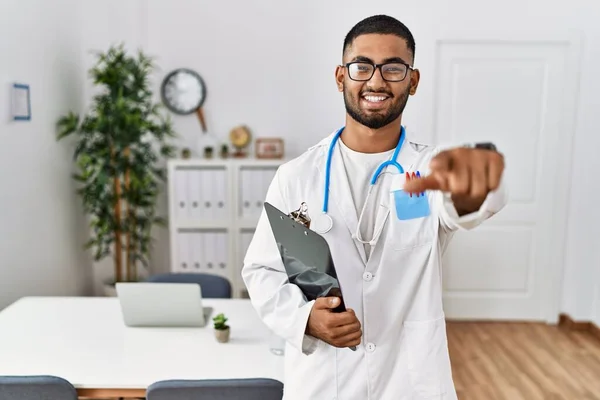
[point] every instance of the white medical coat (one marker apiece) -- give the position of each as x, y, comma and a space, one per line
396, 294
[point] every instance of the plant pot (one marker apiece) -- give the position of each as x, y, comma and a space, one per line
109, 289
222, 335
224, 152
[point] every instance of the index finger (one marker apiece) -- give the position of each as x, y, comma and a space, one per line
436, 180
419, 185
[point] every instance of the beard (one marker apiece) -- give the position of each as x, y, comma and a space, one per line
379, 119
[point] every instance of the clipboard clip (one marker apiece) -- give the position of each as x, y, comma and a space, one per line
301, 215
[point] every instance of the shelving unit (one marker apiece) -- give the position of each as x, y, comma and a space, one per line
214, 206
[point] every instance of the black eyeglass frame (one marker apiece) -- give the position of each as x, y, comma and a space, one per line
377, 67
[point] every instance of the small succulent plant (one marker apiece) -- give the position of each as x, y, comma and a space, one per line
220, 322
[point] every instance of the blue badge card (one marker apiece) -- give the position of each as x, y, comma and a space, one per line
410, 206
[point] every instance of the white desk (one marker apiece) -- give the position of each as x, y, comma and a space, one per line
84, 340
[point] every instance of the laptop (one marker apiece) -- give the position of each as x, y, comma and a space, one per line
154, 304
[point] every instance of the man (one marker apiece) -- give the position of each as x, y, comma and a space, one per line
387, 250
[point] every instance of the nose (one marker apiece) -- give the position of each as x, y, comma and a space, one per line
377, 81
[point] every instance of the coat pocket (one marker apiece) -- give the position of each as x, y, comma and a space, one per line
409, 233
427, 356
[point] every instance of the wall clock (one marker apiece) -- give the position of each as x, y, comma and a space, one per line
183, 92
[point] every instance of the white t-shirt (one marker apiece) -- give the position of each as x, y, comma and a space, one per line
360, 168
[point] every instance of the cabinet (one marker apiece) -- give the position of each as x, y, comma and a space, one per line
214, 206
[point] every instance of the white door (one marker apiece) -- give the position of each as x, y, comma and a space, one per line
517, 92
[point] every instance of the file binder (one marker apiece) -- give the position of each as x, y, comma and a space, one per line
182, 195
195, 193
183, 242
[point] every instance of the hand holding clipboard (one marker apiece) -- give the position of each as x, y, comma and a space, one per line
339, 329
308, 264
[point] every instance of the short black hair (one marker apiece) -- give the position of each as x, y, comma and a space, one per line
383, 25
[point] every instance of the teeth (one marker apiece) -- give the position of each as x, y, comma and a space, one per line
375, 98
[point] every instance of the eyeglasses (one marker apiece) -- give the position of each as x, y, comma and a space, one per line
364, 71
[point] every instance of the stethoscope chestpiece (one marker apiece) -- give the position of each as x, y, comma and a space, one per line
322, 223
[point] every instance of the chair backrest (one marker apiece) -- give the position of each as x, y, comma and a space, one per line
218, 389
42, 387
213, 286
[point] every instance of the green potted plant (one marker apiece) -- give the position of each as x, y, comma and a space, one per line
221, 328
224, 151
119, 146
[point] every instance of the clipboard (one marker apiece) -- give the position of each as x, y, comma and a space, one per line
306, 257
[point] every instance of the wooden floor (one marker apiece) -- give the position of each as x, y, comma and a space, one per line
522, 361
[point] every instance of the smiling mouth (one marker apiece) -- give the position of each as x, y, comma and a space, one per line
375, 99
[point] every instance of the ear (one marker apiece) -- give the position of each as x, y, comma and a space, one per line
415, 76
340, 73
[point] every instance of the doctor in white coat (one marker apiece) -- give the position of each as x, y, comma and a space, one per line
387, 246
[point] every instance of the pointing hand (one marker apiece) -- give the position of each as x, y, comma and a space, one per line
467, 174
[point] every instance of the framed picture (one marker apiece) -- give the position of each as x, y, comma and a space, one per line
21, 102
269, 148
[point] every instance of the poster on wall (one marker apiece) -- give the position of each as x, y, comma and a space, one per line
21, 102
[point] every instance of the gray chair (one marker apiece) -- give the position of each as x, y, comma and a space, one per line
42, 387
217, 389
213, 286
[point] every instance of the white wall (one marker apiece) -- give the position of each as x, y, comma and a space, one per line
270, 65
40, 228
581, 290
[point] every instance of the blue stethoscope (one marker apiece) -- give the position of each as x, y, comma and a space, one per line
324, 223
